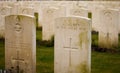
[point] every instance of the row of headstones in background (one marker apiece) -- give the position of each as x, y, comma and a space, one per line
25, 10
109, 25
95, 18
72, 45
20, 44
79, 12
49, 16
108, 36
4, 11
22, 10
88, 5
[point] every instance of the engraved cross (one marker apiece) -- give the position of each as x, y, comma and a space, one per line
70, 48
18, 60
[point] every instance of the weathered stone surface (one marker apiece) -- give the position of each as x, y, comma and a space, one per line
20, 44
109, 22
4, 11
49, 16
79, 12
26, 11
72, 45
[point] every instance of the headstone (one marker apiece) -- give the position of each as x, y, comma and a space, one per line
4, 11
20, 8
15, 8
108, 35
20, 44
119, 21
26, 10
49, 15
79, 12
38, 9
72, 45
95, 17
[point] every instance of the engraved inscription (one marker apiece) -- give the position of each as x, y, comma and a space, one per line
108, 19
108, 15
24, 11
77, 12
73, 26
3, 11
50, 11
13, 45
17, 27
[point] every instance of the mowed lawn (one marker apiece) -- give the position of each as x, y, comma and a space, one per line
101, 62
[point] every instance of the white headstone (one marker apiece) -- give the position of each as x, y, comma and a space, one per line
79, 12
26, 10
119, 21
20, 8
20, 44
15, 8
4, 11
95, 18
49, 15
38, 9
109, 22
72, 45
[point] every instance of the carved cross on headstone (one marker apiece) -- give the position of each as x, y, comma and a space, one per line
70, 48
18, 60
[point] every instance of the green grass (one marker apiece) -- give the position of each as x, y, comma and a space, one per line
105, 62
45, 59
45, 56
95, 40
101, 62
39, 35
